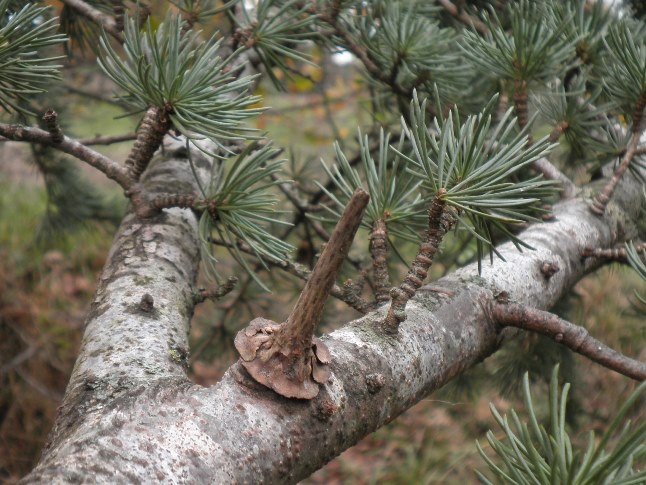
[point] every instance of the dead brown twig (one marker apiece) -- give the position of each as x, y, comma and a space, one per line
287, 357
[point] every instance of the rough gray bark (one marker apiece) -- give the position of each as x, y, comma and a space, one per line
130, 415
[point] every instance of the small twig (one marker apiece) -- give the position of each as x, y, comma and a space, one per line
287, 189
352, 293
598, 207
558, 131
51, 123
96, 96
575, 337
440, 222
119, 11
96, 16
314, 103
295, 269
150, 135
108, 140
332, 19
463, 17
217, 292
542, 165
379, 252
618, 254
72, 147
550, 172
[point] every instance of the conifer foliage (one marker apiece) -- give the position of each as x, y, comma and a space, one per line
482, 118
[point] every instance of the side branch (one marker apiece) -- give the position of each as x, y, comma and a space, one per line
72, 147
542, 165
618, 254
463, 17
379, 252
551, 172
150, 137
344, 294
108, 140
575, 337
440, 221
96, 16
598, 207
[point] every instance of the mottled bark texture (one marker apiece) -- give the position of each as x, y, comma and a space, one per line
130, 415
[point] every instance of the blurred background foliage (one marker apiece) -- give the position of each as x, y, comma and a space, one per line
51, 255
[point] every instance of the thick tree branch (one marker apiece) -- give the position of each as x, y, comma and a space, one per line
130, 414
575, 337
72, 147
